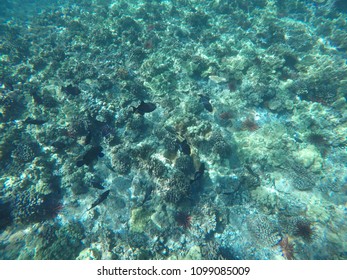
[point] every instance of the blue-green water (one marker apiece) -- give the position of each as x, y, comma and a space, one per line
173, 129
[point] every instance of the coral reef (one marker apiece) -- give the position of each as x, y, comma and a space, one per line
24, 153
178, 188
218, 129
60, 243
122, 161
301, 178
29, 208
185, 164
157, 168
264, 230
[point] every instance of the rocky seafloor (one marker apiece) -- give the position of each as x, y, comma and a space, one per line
237, 152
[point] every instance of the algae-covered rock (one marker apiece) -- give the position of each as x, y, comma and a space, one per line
266, 198
162, 217
194, 253
140, 219
62, 243
309, 157
89, 254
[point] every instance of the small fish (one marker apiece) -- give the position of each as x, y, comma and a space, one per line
100, 199
92, 154
147, 196
198, 174
249, 169
88, 138
297, 138
109, 166
205, 100
34, 121
184, 147
228, 193
9, 86
144, 108
71, 90
59, 145
37, 98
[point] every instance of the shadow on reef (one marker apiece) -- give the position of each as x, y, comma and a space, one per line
5, 214
27, 208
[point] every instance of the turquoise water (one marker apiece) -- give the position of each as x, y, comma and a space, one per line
173, 129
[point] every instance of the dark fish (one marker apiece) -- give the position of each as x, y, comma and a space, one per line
100, 199
71, 90
205, 100
37, 98
184, 147
88, 138
109, 166
9, 86
228, 193
144, 108
34, 121
249, 169
199, 173
59, 144
92, 154
297, 139
147, 195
